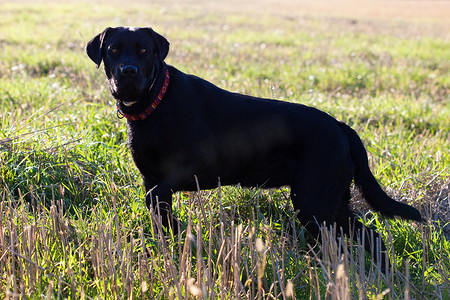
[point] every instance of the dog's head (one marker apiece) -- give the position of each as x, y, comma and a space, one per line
132, 58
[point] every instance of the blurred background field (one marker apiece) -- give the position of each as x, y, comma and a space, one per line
73, 223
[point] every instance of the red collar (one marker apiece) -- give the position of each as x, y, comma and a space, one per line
146, 113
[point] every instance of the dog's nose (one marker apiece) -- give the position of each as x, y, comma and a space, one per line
128, 70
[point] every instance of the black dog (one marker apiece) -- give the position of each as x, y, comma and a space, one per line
181, 126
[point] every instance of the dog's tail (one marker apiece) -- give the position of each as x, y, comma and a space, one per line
368, 185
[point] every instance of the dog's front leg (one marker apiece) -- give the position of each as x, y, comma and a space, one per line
159, 197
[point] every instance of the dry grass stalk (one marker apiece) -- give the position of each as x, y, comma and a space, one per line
214, 257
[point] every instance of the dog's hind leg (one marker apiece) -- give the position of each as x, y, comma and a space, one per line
371, 240
318, 204
314, 203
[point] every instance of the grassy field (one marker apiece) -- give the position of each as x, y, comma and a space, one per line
73, 223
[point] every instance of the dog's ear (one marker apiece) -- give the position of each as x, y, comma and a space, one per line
161, 43
94, 47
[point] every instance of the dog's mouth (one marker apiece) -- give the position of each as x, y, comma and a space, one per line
127, 85
126, 91
129, 103
130, 90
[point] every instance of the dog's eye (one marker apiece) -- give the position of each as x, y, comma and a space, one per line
113, 50
142, 51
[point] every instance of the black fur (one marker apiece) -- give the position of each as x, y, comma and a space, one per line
201, 130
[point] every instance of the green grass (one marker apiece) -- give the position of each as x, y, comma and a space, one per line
73, 223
